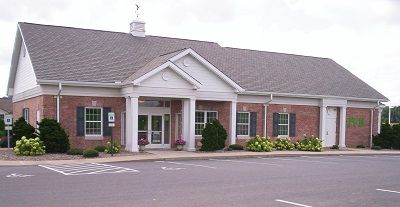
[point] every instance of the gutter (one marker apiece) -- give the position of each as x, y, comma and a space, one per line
58, 101
265, 114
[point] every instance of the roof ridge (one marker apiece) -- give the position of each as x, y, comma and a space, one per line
280, 53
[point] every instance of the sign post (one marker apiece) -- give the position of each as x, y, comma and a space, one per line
111, 123
8, 123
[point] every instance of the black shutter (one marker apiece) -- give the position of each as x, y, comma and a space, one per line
107, 131
253, 124
80, 121
275, 121
292, 125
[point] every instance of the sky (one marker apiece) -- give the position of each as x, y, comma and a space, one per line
361, 35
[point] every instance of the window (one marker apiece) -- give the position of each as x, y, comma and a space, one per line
203, 117
93, 121
243, 123
283, 124
1, 117
25, 114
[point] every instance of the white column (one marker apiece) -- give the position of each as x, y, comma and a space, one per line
379, 119
265, 120
188, 119
322, 128
342, 130
132, 112
232, 125
128, 123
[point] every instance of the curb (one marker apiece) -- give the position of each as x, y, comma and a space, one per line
216, 156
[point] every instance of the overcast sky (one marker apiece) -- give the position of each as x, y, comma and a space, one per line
361, 35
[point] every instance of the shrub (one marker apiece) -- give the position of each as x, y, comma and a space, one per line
309, 143
2, 125
283, 144
360, 146
376, 147
100, 148
259, 144
235, 147
75, 151
396, 137
214, 136
112, 148
54, 136
90, 153
385, 138
335, 146
22, 129
29, 147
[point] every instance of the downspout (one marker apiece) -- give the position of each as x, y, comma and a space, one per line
265, 114
58, 101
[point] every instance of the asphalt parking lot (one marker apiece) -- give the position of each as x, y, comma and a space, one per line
285, 181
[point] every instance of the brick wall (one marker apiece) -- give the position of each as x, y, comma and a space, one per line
34, 104
356, 135
252, 107
307, 118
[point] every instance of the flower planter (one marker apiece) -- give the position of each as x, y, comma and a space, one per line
142, 148
179, 147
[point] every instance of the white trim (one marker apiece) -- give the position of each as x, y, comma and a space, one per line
94, 136
209, 66
205, 119
79, 83
25, 114
175, 68
248, 124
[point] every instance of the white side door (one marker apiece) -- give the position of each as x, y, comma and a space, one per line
330, 133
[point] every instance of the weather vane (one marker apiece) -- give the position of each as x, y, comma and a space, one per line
137, 11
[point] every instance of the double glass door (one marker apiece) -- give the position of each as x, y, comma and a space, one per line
154, 128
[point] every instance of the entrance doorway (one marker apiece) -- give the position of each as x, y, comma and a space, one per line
155, 128
330, 134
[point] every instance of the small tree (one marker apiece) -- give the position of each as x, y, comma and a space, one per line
214, 136
385, 138
54, 136
22, 129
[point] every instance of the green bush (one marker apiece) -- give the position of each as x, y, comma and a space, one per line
54, 136
259, 144
376, 147
100, 148
75, 151
90, 153
360, 146
29, 147
22, 129
283, 144
112, 148
2, 125
385, 138
235, 147
310, 143
214, 136
335, 146
396, 137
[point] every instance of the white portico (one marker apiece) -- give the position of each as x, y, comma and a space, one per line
328, 122
184, 76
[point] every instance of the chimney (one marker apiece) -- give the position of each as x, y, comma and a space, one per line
137, 28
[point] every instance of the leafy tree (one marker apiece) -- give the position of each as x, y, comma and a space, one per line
22, 129
394, 114
214, 136
54, 136
2, 125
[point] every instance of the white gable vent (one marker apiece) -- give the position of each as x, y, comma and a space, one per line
137, 28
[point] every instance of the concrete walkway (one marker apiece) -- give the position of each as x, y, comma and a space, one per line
153, 155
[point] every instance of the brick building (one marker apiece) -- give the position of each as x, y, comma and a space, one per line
164, 88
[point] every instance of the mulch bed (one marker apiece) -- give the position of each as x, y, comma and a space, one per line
8, 154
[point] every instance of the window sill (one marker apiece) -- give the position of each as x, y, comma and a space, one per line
94, 137
283, 136
243, 136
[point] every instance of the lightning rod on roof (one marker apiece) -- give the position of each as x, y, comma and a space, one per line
137, 11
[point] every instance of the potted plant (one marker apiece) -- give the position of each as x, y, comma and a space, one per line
142, 144
179, 144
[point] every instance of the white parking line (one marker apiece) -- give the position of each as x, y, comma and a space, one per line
300, 160
87, 169
248, 162
390, 191
180, 163
293, 203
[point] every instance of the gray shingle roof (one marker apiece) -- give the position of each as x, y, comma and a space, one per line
73, 54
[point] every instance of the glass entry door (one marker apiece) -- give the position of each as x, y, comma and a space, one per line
154, 128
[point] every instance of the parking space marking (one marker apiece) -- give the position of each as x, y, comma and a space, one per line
300, 160
390, 191
292, 203
248, 162
188, 164
87, 169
